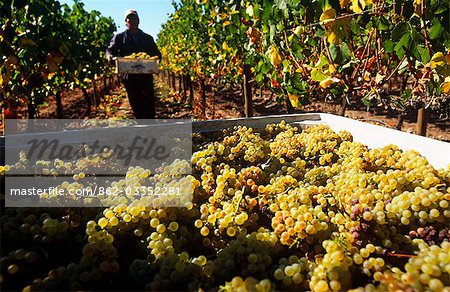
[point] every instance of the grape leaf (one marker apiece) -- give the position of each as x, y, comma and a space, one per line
424, 54
317, 75
402, 45
436, 29
399, 31
389, 46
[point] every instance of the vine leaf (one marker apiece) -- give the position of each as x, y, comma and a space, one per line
359, 5
327, 82
436, 29
402, 45
438, 60
446, 85
274, 56
328, 16
293, 98
317, 75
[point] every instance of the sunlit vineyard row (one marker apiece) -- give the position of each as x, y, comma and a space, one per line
386, 54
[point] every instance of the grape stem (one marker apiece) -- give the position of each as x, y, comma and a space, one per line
401, 255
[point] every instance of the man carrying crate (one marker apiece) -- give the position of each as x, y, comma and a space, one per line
139, 87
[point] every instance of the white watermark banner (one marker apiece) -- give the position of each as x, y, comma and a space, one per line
67, 163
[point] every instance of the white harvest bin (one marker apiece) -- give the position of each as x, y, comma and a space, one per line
136, 66
436, 152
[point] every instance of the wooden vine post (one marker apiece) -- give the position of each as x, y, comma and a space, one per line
105, 87
96, 94
184, 88
202, 97
191, 91
167, 75
247, 89
31, 108
180, 82
173, 81
422, 120
88, 101
59, 106
343, 105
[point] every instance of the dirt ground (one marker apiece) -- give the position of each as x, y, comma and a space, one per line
223, 105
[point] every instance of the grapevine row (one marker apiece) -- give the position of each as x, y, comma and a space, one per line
48, 48
390, 54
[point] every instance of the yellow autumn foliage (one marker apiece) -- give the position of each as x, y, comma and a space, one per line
446, 85
293, 98
328, 15
438, 60
328, 82
336, 30
274, 56
359, 5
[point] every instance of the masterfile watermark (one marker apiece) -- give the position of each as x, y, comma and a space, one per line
148, 144
141, 148
97, 191
96, 163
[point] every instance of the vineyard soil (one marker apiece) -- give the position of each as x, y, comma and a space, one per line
224, 105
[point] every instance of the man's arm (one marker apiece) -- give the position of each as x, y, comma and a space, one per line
154, 49
112, 50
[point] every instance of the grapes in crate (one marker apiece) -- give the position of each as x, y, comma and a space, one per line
141, 55
280, 209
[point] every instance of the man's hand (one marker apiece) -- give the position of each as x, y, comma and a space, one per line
111, 59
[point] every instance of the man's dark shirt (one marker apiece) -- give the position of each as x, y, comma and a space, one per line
123, 44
